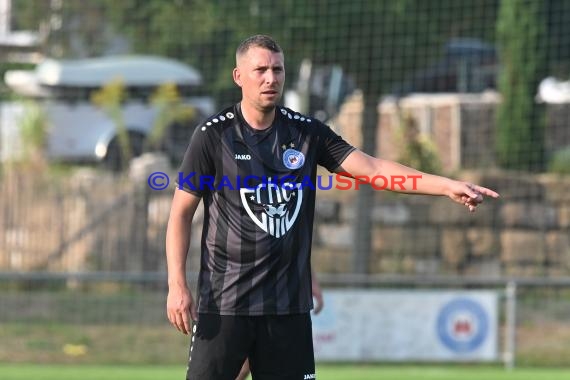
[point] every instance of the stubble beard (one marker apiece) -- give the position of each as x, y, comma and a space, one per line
269, 106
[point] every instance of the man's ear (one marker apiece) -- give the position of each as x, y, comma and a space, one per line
237, 76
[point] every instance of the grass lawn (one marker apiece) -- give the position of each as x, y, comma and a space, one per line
324, 372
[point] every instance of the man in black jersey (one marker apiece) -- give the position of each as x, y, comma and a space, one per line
252, 165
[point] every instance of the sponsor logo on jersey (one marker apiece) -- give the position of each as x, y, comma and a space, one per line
309, 376
245, 157
293, 159
273, 206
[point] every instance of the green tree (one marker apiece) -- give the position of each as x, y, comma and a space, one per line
520, 121
379, 42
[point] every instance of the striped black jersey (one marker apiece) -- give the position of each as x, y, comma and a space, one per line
258, 189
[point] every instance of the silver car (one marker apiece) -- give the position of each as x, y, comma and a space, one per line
79, 130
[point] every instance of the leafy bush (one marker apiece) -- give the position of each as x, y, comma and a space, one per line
416, 149
560, 161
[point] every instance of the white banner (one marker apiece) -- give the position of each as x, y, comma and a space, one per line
417, 325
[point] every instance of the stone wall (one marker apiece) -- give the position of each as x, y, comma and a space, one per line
524, 233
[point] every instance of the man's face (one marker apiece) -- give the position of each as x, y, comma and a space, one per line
261, 74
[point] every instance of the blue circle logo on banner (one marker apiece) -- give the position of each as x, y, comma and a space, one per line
462, 325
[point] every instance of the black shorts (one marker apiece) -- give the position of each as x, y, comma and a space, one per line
278, 347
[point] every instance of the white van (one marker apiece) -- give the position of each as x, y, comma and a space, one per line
78, 130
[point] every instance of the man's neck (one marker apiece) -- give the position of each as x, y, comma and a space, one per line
257, 119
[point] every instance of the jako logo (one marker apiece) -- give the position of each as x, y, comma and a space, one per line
242, 157
310, 376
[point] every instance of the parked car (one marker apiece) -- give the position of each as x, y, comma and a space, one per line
81, 131
467, 65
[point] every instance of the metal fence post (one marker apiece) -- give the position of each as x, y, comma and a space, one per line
511, 328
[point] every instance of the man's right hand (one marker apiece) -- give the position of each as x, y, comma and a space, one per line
180, 308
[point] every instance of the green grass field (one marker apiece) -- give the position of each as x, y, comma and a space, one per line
324, 372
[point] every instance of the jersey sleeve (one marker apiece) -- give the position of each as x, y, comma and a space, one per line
198, 163
333, 148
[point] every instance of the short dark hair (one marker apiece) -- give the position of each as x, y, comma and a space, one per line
258, 40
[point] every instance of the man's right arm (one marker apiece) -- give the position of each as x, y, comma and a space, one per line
180, 306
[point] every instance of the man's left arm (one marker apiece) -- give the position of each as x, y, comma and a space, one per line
401, 178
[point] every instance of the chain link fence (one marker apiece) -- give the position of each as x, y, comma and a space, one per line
475, 89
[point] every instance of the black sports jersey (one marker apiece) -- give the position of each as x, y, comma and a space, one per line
258, 209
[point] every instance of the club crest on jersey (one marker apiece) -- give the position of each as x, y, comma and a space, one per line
273, 207
293, 159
